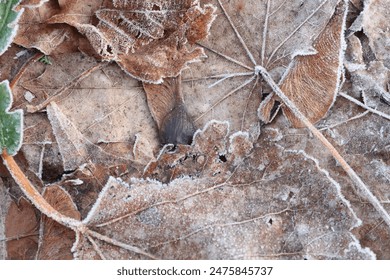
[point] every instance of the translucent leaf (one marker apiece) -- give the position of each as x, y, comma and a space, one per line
11, 131
8, 23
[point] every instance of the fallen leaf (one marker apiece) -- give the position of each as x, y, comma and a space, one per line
166, 104
312, 80
147, 39
34, 32
75, 149
55, 241
21, 227
244, 205
376, 26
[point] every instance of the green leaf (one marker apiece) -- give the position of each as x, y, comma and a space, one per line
11, 123
8, 23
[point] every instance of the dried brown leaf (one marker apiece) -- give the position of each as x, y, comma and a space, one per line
165, 102
247, 204
34, 32
312, 80
148, 39
56, 240
21, 228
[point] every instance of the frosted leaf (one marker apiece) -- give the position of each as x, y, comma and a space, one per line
74, 147
34, 32
377, 28
148, 39
219, 207
228, 86
312, 80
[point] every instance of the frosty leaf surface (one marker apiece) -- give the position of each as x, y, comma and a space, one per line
228, 86
244, 204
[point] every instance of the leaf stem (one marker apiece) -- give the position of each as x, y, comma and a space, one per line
36, 198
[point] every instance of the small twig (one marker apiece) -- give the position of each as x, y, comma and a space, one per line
21, 71
348, 169
226, 57
357, 102
58, 94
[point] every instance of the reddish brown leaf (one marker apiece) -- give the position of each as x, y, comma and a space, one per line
55, 239
148, 39
21, 228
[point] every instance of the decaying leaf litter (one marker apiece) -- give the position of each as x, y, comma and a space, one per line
270, 191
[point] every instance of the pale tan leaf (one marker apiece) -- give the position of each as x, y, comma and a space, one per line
75, 149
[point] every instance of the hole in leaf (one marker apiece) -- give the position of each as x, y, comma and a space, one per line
270, 221
155, 8
222, 158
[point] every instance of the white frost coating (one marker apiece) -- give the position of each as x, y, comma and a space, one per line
279, 135
355, 245
353, 67
304, 52
335, 184
102, 194
75, 182
29, 96
19, 112
209, 124
357, 25
234, 135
